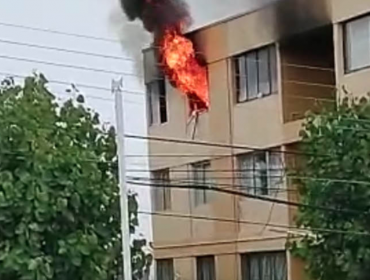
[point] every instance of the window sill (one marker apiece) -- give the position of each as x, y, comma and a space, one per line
354, 71
157, 124
255, 98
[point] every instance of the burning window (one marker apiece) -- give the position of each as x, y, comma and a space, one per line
167, 20
255, 74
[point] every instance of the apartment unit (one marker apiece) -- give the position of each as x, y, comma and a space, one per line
266, 69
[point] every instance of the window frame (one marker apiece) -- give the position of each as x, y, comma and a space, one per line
272, 66
245, 262
162, 196
253, 172
157, 108
168, 263
201, 166
200, 261
345, 38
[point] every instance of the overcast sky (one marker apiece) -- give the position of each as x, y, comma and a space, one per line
102, 20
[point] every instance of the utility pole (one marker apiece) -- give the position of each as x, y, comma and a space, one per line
125, 216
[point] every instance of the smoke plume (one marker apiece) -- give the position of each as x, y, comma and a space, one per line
157, 15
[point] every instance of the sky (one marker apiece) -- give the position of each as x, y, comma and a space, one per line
89, 43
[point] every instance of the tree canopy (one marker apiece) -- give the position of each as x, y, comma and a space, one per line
59, 196
337, 175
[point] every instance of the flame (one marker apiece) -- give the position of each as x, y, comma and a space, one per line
182, 68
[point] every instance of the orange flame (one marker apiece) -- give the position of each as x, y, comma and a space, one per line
182, 67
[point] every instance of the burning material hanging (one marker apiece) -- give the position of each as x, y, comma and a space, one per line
166, 20
182, 68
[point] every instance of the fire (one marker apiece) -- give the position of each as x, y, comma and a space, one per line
182, 68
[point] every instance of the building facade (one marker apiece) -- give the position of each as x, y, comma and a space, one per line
266, 69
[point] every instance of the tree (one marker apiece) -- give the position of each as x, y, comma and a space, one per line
59, 196
337, 175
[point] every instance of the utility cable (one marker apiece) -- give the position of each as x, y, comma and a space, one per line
247, 222
251, 196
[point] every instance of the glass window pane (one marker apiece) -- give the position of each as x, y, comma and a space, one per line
241, 78
276, 170
246, 172
201, 179
162, 194
273, 69
358, 43
263, 72
153, 94
149, 105
260, 175
206, 268
161, 84
252, 75
165, 269
264, 266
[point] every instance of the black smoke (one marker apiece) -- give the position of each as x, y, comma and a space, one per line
158, 15
296, 16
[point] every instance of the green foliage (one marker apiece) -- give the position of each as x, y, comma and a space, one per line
338, 144
59, 196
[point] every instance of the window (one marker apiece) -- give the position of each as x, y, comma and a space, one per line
206, 268
264, 266
162, 194
155, 88
261, 172
255, 74
157, 102
201, 179
357, 43
165, 269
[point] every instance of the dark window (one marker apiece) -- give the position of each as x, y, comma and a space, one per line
261, 173
165, 269
255, 74
162, 193
201, 178
157, 102
206, 268
264, 266
357, 43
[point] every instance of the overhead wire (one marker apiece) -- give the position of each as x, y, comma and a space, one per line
78, 85
65, 50
248, 222
71, 66
248, 195
52, 31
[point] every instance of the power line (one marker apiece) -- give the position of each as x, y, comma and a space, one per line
37, 46
247, 195
58, 32
78, 85
78, 67
296, 177
206, 185
214, 219
214, 144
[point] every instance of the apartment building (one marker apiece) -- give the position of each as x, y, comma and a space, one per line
266, 69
